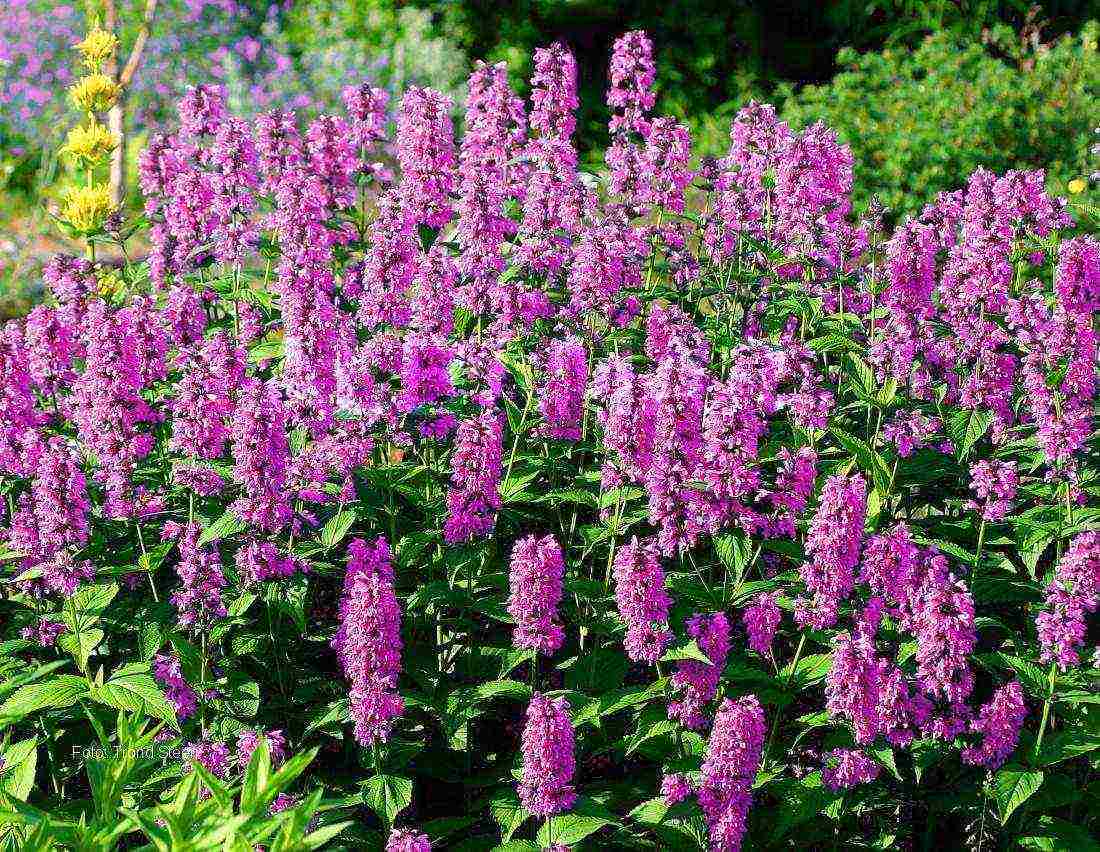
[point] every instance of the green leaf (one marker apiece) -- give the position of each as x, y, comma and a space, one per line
1057, 835
388, 795
1067, 745
508, 813
18, 763
1013, 786
688, 650
870, 462
224, 527
132, 688
587, 817
53, 694
967, 427
337, 527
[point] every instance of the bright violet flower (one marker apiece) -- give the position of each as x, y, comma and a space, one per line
248, 740
642, 600
199, 601
368, 640
695, 682
761, 620
426, 151
537, 570
169, 674
729, 769
846, 768
675, 788
833, 548
561, 397
994, 484
999, 723
546, 786
408, 840
476, 468
1070, 596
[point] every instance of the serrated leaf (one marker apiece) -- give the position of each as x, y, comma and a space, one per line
388, 795
1014, 785
224, 527
967, 427
133, 689
54, 693
18, 762
337, 527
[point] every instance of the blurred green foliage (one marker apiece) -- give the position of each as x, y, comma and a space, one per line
918, 120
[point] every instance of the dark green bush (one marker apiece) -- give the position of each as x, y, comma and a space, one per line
918, 119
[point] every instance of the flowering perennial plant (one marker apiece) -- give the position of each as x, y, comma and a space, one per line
672, 506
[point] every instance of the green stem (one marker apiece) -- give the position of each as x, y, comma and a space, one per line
1046, 708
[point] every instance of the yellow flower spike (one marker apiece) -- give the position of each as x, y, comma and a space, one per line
85, 207
110, 284
89, 144
97, 47
1076, 186
94, 93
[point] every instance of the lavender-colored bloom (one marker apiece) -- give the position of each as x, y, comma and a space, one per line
279, 146
203, 404
261, 452
761, 620
999, 722
202, 110
546, 787
425, 373
642, 600
44, 632
943, 621
561, 396
199, 601
1070, 596
678, 389
248, 740
366, 107
832, 549
408, 840
852, 686
994, 484
426, 151
633, 72
283, 802
168, 673
259, 561
52, 517
212, 755
695, 682
625, 413
675, 788
124, 354
846, 768
732, 759
368, 640
536, 574
476, 467
554, 92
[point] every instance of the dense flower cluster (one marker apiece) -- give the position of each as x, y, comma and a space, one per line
546, 785
537, 569
1071, 595
368, 640
642, 600
729, 769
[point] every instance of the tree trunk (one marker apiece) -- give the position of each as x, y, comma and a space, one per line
116, 123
